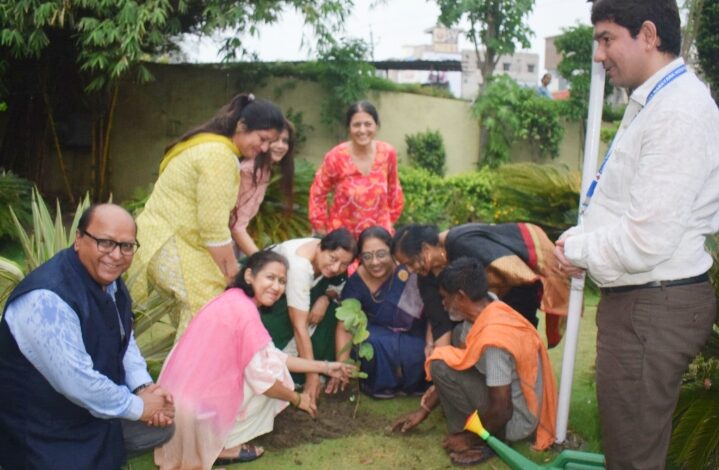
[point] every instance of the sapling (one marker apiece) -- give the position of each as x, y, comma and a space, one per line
355, 322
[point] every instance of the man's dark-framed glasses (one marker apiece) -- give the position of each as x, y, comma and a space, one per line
105, 245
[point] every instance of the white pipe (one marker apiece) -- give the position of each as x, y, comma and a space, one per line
576, 297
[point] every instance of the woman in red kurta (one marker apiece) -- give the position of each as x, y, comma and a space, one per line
362, 175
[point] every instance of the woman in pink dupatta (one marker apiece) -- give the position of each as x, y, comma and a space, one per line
227, 378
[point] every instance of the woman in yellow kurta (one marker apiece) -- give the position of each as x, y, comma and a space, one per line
186, 248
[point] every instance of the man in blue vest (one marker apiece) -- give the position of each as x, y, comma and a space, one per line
75, 390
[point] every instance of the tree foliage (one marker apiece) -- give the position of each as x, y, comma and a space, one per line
707, 43
107, 39
60, 59
496, 26
511, 113
346, 75
575, 47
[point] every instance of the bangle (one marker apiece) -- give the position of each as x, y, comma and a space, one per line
327, 366
425, 407
299, 400
138, 389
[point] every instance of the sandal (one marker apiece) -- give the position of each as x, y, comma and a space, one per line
248, 453
472, 456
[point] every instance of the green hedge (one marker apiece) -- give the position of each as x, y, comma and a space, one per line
431, 199
545, 195
426, 150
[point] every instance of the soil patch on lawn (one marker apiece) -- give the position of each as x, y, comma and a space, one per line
334, 419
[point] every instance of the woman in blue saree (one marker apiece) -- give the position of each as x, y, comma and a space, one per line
398, 330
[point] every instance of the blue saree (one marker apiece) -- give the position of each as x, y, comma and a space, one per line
397, 333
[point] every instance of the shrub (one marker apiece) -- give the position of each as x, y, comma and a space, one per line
15, 192
274, 223
345, 75
708, 43
509, 113
426, 150
445, 202
302, 129
546, 195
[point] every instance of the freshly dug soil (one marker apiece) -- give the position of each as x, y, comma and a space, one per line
334, 419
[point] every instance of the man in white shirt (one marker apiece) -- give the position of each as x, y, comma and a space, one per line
641, 236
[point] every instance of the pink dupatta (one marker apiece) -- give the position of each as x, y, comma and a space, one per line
205, 374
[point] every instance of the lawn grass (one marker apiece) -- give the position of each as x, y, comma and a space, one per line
421, 449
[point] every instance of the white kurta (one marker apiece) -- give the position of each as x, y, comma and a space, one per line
257, 413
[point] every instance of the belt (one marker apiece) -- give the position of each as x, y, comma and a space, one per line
677, 282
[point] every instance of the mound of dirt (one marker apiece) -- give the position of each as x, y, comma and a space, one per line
334, 419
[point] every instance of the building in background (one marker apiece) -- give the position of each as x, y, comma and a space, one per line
521, 66
559, 86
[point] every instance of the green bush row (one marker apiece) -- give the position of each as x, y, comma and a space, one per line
546, 195
426, 150
431, 199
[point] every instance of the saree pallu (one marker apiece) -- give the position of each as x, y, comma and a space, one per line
520, 266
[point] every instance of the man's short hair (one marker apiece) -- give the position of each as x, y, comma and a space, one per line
87, 214
632, 14
465, 274
86, 218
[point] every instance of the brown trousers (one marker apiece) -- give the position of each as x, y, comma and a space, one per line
646, 339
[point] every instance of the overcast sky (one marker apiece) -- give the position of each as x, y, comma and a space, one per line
390, 24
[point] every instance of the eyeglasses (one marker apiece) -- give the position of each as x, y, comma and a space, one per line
106, 246
379, 254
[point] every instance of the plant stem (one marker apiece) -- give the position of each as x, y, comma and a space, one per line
359, 393
56, 142
106, 141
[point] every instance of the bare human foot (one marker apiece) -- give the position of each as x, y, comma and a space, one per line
472, 456
461, 441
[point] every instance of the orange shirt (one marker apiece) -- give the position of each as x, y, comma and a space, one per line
501, 327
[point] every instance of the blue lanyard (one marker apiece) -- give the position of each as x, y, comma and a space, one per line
666, 80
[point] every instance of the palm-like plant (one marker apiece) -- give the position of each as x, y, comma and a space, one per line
695, 438
545, 195
274, 223
47, 237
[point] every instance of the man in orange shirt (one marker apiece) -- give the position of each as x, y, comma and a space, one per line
500, 367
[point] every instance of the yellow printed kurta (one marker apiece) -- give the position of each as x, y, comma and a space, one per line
188, 211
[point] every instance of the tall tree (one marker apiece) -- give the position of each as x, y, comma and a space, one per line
707, 43
575, 47
693, 9
68, 56
496, 27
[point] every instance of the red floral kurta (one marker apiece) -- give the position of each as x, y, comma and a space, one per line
360, 201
